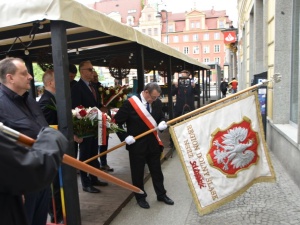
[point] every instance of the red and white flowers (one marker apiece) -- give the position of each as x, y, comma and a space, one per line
114, 96
91, 122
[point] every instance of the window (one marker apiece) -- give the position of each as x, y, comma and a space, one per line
155, 31
217, 48
195, 37
149, 17
221, 24
186, 50
185, 38
131, 11
217, 36
295, 65
196, 50
195, 24
206, 49
206, 60
166, 40
206, 37
217, 60
144, 31
149, 31
175, 39
170, 28
130, 20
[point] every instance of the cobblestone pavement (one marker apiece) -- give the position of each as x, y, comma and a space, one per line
263, 203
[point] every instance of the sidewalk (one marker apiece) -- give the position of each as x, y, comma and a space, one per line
263, 203
101, 208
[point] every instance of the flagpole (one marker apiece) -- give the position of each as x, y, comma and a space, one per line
18, 137
203, 108
276, 78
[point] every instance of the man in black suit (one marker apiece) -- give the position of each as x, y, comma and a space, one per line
48, 104
72, 74
141, 114
83, 93
25, 170
47, 101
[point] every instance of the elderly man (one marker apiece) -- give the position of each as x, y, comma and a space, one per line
83, 93
24, 170
140, 114
21, 112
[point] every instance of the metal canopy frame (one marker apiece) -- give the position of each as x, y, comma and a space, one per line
50, 27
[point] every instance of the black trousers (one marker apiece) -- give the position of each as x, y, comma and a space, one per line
103, 148
36, 206
87, 149
138, 160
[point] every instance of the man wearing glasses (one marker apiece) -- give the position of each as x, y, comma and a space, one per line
141, 114
83, 93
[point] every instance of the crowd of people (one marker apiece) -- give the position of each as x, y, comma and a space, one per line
30, 203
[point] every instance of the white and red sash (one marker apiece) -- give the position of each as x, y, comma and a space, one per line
145, 116
102, 128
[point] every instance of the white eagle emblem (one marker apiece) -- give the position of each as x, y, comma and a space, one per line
233, 151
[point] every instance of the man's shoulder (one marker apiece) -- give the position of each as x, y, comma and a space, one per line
77, 86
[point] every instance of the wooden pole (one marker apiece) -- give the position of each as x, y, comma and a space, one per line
71, 161
178, 119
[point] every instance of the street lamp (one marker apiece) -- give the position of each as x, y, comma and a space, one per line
159, 15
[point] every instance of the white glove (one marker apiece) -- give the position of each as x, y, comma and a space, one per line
162, 125
129, 140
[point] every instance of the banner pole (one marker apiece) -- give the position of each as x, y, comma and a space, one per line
276, 78
18, 137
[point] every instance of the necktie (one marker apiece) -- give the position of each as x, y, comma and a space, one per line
93, 91
148, 107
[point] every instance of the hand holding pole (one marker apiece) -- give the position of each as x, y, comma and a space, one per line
18, 137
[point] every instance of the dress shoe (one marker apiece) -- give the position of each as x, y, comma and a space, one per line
91, 189
143, 203
107, 168
165, 199
99, 183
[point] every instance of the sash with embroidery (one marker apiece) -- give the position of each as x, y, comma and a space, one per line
145, 116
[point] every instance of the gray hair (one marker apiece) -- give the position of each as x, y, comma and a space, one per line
151, 87
7, 66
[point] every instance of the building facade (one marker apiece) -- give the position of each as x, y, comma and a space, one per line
196, 33
269, 44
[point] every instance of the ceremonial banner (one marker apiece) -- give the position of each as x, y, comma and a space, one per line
223, 152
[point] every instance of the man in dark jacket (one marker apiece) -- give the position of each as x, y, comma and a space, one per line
26, 170
48, 104
141, 114
83, 93
223, 87
21, 112
185, 91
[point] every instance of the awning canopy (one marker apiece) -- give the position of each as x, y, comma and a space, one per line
51, 31
91, 35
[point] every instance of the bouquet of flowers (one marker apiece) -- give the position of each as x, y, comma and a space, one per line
89, 122
114, 96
